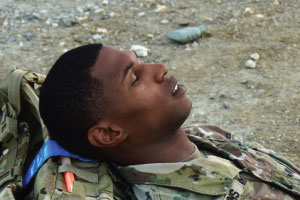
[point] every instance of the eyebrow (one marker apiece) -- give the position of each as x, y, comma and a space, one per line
126, 70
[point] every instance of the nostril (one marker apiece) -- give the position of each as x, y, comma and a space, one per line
163, 72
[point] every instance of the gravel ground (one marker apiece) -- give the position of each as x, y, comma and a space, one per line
260, 103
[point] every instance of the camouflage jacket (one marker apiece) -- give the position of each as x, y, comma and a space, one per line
241, 170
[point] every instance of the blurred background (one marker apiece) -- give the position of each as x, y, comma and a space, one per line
242, 75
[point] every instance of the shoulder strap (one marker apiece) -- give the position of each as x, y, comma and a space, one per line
14, 86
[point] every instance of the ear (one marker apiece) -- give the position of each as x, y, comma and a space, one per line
106, 134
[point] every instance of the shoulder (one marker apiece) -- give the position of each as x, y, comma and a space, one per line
208, 131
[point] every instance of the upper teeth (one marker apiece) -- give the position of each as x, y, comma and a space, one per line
175, 88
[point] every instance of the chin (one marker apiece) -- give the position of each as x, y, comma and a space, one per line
181, 113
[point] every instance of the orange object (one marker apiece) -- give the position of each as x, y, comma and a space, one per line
69, 176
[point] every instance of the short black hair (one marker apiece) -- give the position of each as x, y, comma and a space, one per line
72, 101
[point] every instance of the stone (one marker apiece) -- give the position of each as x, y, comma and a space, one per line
164, 21
150, 35
141, 14
82, 19
259, 16
62, 44
183, 22
11, 39
65, 22
195, 44
276, 3
105, 2
101, 30
161, 9
112, 14
248, 11
28, 35
97, 37
48, 21
54, 25
254, 56
226, 106
99, 10
250, 64
140, 50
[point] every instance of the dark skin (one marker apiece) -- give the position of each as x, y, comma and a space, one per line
142, 123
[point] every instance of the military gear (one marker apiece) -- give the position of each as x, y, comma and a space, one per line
241, 170
22, 135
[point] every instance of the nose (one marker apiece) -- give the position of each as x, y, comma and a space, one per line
160, 70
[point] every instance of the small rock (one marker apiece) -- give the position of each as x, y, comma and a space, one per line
141, 14
276, 3
219, 2
244, 82
187, 34
5, 23
62, 44
101, 30
44, 11
48, 21
82, 19
183, 22
79, 9
105, 17
96, 37
45, 36
187, 47
54, 25
105, 2
195, 44
250, 64
164, 21
112, 14
11, 39
140, 51
99, 10
150, 35
65, 22
161, 9
248, 11
28, 35
255, 56
226, 105
259, 16
36, 16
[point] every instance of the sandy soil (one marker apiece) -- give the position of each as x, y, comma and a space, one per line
260, 104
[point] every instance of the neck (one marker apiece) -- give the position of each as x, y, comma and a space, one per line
173, 148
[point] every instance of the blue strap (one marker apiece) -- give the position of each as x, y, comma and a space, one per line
49, 149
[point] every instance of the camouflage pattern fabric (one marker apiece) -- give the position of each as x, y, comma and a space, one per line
92, 181
265, 174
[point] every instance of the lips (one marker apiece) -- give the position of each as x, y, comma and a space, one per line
176, 89
174, 86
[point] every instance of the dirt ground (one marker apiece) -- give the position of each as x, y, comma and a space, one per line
259, 104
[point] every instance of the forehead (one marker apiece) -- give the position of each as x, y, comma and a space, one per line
111, 62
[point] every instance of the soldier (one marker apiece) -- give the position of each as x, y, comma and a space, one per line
102, 103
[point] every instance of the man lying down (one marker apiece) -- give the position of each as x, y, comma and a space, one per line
103, 103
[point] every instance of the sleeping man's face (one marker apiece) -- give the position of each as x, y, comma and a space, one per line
143, 100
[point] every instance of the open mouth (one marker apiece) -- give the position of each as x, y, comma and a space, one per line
177, 89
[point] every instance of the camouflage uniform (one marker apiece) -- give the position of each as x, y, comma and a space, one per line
93, 181
241, 170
